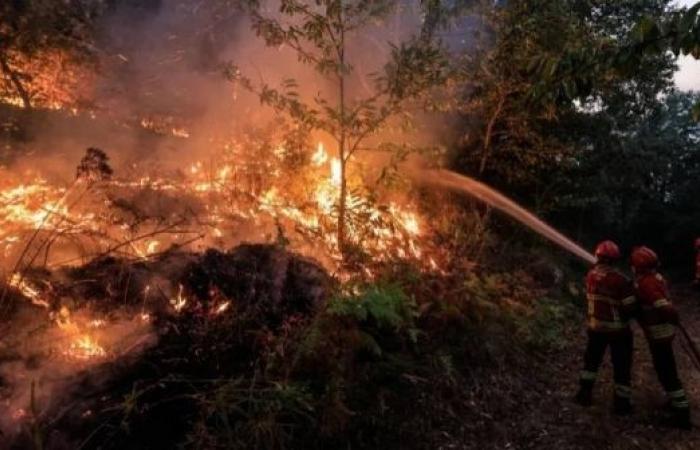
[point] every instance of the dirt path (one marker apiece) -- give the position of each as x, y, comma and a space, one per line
554, 421
531, 407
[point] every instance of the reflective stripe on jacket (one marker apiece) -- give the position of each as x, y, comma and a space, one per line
657, 314
611, 300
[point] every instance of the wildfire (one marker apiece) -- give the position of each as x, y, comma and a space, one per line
225, 191
54, 81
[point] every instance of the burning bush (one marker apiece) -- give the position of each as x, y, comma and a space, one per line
212, 327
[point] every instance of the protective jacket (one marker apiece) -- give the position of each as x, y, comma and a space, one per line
657, 316
611, 301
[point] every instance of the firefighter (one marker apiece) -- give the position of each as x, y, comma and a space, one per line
611, 302
658, 318
697, 262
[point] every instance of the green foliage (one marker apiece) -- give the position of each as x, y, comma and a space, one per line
635, 181
546, 327
386, 306
507, 111
320, 34
615, 162
638, 35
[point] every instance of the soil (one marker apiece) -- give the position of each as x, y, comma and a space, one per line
538, 412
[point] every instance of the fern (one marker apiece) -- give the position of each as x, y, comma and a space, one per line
387, 306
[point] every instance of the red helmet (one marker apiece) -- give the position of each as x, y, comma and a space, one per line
644, 258
607, 249
697, 243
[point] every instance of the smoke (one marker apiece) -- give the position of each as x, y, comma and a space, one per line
161, 62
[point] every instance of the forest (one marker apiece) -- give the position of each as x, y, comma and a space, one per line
360, 224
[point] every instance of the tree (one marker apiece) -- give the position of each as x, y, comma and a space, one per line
657, 29
320, 33
521, 120
508, 132
679, 32
566, 146
639, 184
29, 29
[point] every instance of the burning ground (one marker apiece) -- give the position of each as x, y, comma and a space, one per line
114, 286
133, 324
138, 318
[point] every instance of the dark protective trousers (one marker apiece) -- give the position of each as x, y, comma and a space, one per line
665, 365
621, 345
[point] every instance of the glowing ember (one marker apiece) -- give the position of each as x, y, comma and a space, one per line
180, 301
97, 323
151, 247
82, 346
29, 291
221, 308
85, 348
19, 414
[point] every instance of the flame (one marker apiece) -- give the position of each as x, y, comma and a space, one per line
336, 172
85, 348
320, 157
82, 347
18, 282
180, 132
394, 230
180, 301
97, 323
221, 308
31, 206
56, 81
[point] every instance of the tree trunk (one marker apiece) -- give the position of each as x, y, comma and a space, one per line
342, 199
489, 132
16, 82
342, 208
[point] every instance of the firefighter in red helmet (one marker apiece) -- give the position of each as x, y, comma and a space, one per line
697, 262
658, 319
611, 304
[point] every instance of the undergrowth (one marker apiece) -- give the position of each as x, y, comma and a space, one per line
385, 364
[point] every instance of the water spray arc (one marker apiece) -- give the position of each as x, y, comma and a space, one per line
453, 181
